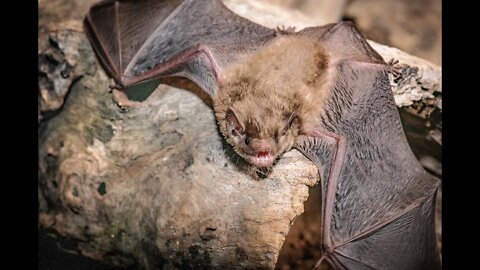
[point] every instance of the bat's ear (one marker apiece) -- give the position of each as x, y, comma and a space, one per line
288, 121
234, 126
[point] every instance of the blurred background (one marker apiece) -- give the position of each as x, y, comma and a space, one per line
413, 26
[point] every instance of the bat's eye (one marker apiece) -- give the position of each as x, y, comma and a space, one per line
247, 140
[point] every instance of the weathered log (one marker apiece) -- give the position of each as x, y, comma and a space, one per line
156, 186
156, 182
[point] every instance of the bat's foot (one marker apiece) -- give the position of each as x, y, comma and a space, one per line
122, 101
394, 67
282, 30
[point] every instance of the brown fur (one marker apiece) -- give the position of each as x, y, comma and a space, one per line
267, 87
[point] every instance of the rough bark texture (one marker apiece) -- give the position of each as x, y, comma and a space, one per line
156, 182
156, 186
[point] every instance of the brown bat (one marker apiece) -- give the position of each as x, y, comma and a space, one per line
322, 90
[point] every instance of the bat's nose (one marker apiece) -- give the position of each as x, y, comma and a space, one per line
262, 145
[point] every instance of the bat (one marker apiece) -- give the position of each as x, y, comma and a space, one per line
322, 90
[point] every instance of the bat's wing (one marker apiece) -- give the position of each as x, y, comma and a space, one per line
144, 40
378, 203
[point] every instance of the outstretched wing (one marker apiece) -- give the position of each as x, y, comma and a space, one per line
378, 205
143, 40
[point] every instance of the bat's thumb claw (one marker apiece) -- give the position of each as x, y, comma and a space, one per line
122, 100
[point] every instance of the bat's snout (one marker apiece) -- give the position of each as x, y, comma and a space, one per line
262, 152
262, 159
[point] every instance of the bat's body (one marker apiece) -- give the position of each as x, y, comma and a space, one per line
271, 98
323, 90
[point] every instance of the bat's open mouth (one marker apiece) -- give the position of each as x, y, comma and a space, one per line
262, 159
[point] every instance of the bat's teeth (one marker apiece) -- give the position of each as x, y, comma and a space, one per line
263, 158
263, 154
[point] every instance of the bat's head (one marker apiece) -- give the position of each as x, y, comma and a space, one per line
259, 135
266, 97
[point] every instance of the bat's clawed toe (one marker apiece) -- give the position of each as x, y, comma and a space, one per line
282, 30
394, 67
393, 62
